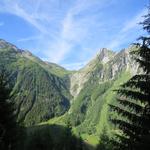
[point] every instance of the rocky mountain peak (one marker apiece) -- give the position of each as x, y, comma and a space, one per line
105, 55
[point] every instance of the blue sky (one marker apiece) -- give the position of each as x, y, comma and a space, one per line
71, 32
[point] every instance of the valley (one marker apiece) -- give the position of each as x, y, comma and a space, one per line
46, 93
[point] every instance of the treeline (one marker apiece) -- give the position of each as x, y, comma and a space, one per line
14, 136
53, 137
132, 108
132, 118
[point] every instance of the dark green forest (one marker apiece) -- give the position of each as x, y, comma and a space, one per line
15, 136
38, 112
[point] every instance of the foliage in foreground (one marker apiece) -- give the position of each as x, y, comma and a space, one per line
52, 137
14, 137
133, 99
104, 143
8, 126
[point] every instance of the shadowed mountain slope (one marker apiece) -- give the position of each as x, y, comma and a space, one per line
46, 92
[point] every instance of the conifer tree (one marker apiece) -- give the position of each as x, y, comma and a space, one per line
8, 126
104, 143
133, 99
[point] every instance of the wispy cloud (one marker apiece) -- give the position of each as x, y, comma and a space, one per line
15, 8
126, 32
62, 30
29, 39
75, 66
75, 28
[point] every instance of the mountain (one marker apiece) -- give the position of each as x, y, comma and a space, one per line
92, 88
40, 92
47, 93
79, 78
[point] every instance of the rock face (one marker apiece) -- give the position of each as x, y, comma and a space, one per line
92, 89
46, 90
105, 66
78, 79
105, 55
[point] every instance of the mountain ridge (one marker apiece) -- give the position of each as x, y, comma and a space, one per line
35, 86
45, 91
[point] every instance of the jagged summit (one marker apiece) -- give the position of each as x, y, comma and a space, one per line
45, 90
105, 51
106, 66
105, 55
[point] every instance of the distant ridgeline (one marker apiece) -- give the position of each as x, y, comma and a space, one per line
46, 93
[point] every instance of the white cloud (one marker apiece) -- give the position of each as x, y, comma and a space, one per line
29, 38
134, 22
62, 29
15, 8
73, 30
75, 66
125, 33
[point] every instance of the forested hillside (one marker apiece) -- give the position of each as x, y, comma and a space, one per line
40, 92
46, 92
74, 75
